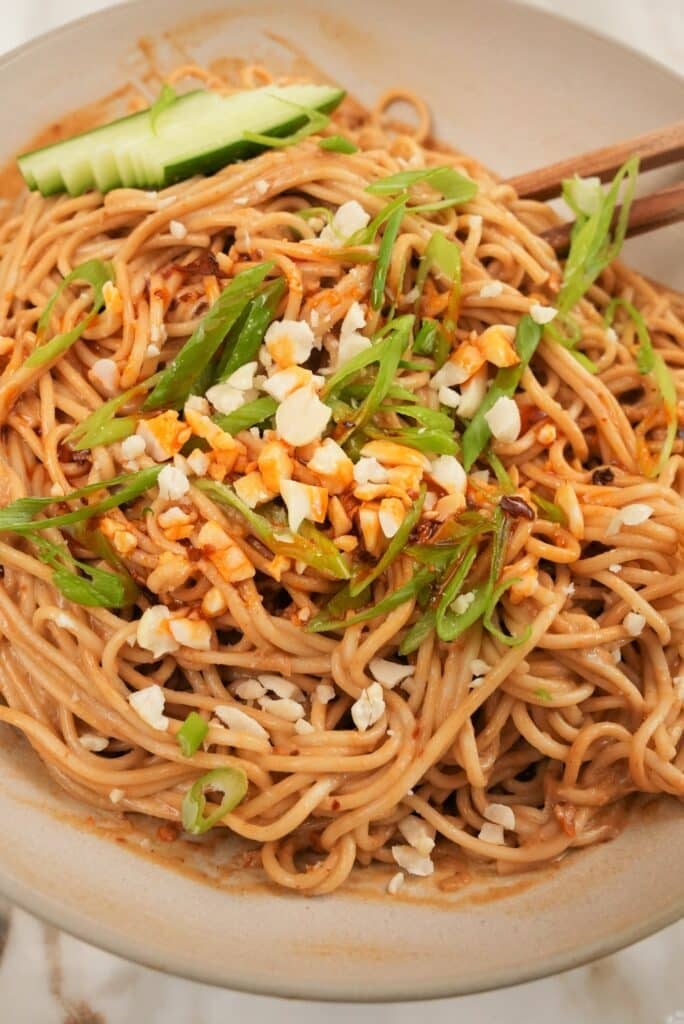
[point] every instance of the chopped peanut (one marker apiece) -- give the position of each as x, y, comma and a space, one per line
339, 519
372, 492
194, 633
332, 466
389, 453
177, 523
172, 571
407, 478
450, 505
112, 297
124, 542
220, 441
369, 525
496, 344
303, 501
275, 464
252, 490
233, 564
347, 543
391, 515
164, 435
212, 537
468, 358
213, 603
546, 434
277, 566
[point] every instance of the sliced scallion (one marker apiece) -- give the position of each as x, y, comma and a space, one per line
230, 782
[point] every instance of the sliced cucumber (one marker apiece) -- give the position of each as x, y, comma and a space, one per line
198, 134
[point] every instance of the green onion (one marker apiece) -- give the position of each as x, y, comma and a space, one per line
554, 513
387, 353
385, 255
364, 236
191, 734
310, 546
323, 622
87, 534
315, 121
423, 439
502, 478
461, 543
455, 187
166, 98
102, 427
83, 583
449, 625
418, 632
595, 243
443, 254
504, 638
18, 515
543, 694
567, 332
505, 383
362, 578
343, 602
96, 273
650, 361
252, 414
432, 341
260, 312
338, 144
179, 377
231, 782
310, 212
432, 418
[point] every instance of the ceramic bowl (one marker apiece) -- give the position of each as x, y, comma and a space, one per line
517, 88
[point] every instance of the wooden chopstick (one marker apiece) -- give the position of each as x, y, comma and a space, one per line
654, 149
646, 214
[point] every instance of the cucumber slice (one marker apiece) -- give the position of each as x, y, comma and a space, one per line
198, 134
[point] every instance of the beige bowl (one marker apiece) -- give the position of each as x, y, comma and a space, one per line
518, 89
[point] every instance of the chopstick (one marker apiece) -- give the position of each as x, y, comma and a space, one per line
654, 149
646, 214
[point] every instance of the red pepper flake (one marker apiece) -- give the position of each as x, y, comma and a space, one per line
167, 833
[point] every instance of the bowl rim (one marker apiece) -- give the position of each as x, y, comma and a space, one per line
91, 930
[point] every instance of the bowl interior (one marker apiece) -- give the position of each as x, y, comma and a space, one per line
517, 88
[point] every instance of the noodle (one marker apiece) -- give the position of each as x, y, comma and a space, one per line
546, 735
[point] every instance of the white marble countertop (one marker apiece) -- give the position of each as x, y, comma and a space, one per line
47, 977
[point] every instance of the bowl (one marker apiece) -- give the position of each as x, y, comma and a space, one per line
518, 89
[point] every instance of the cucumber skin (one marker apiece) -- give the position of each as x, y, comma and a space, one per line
243, 149
25, 160
207, 162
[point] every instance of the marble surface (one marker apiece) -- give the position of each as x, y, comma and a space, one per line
47, 977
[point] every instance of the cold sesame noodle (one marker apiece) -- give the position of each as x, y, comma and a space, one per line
514, 741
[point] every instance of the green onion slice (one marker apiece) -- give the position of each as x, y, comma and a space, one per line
191, 734
95, 273
231, 782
